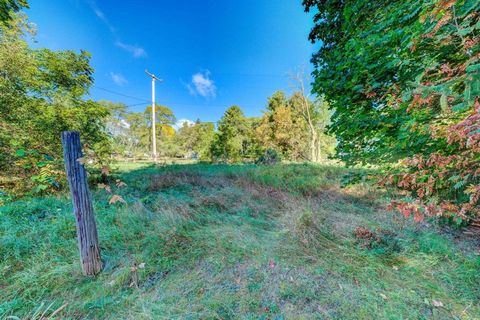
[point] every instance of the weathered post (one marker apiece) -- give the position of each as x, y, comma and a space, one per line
82, 204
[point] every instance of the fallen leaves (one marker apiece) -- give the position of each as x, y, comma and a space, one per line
116, 198
120, 183
105, 170
104, 186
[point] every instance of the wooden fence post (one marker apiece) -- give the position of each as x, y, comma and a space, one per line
82, 204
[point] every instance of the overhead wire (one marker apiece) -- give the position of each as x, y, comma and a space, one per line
171, 103
121, 94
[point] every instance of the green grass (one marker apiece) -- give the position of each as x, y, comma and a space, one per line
235, 241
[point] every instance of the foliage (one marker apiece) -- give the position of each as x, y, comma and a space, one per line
238, 241
403, 79
232, 142
195, 140
7, 7
132, 131
41, 95
269, 157
285, 127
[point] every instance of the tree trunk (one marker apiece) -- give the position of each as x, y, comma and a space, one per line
319, 148
82, 204
313, 146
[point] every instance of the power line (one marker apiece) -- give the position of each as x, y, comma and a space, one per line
171, 103
146, 102
266, 75
137, 104
121, 94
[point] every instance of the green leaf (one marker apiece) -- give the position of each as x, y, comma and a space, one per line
460, 107
41, 164
20, 153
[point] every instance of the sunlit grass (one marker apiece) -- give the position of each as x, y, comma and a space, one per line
234, 241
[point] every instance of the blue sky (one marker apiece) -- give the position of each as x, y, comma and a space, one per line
212, 54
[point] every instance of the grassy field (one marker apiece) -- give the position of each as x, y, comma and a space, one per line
240, 241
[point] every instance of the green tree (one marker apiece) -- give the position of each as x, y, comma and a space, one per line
195, 140
137, 126
41, 95
283, 128
118, 128
165, 132
139, 132
9, 7
316, 116
231, 140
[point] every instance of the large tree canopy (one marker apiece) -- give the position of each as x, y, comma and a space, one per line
41, 95
403, 79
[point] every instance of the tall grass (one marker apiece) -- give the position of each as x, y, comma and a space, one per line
235, 241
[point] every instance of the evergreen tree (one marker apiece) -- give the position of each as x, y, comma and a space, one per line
230, 141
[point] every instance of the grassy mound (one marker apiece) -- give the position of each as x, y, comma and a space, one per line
222, 242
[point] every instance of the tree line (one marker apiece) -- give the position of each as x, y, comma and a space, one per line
283, 128
45, 92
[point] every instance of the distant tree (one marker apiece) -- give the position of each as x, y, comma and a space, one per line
252, 144
139, 142
195, 140
117, 127
139, 132
282, 128
296, 127
165, 119
315, 113
163, 115
326, 142
231, 141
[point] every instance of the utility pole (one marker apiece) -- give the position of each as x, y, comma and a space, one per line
154, 134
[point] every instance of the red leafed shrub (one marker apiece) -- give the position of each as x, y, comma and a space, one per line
444, 179
403, 80
446, 183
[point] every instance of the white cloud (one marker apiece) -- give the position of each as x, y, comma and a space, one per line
180, 123
202, 85
136, 51
118, 79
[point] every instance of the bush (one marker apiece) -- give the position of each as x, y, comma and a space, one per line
269, 157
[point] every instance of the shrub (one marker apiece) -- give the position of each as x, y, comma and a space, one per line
269, 157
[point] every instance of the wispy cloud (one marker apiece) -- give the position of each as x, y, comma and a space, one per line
135, 50
118, 79
99, 13
202, 85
